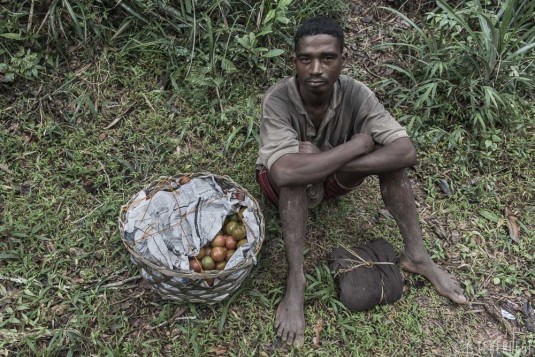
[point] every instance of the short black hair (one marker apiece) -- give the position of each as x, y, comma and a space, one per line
320, 25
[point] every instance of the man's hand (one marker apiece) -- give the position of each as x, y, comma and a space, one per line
306, 147
366, 141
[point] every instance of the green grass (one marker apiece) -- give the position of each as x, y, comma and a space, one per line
64, 287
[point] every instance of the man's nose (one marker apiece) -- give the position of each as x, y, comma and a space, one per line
317, 67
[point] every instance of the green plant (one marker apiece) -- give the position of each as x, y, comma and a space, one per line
464, 68
23, 63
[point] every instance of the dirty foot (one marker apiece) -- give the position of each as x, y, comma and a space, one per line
290, 317
445, 284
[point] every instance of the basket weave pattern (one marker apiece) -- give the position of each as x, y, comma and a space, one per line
187, 285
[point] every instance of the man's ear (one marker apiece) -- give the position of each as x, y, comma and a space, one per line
293, 58
344, 58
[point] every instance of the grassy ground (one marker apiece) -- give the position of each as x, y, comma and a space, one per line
78, 143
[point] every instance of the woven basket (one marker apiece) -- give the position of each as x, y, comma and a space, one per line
186, 285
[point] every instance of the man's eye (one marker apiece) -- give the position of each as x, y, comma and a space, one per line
305, 59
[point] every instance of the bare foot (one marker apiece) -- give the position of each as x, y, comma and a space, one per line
290, 317
445, 284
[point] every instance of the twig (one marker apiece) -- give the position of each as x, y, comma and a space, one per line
105, 173
30, 17
116, 120
90, 213
110, 276
44, 20
121, 283
148, 102
464, 312
14, 280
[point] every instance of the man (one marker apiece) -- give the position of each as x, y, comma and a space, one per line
321, 134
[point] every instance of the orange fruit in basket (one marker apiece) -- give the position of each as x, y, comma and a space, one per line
207, 250
242, 242
208, 263
220, 265
239, 232
229, 254
229, 227
218, 254
195, 265
230, 243
202, 253
218, 241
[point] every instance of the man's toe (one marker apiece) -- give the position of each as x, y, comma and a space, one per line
459, 298
299, 341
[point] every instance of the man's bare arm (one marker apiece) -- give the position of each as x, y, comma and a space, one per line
306, 168
394, 156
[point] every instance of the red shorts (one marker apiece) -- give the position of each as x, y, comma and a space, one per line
331, 187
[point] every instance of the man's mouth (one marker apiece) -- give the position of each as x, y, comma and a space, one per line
315, 82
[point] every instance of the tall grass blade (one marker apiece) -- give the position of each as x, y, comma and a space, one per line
520, 51
406, 19
126, 23
74, 18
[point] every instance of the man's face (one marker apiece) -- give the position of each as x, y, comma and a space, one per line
318, 62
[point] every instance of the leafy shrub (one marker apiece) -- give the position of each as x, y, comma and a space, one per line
466, 69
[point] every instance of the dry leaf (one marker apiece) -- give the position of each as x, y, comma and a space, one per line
318, 327
439, 231
5, 168
219, 350
514, 231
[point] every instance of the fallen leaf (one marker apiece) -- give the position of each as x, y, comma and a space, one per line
439, 231
491, 216
5, 168
444, 187
455, 237
514, 231
219, 350
180, 311
367, 19
318, 328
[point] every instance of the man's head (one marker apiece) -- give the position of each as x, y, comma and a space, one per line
320, 25
318, 58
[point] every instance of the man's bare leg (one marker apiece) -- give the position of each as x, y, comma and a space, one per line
399, 200
290, 317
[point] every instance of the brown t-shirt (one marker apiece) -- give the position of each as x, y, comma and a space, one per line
353, 109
